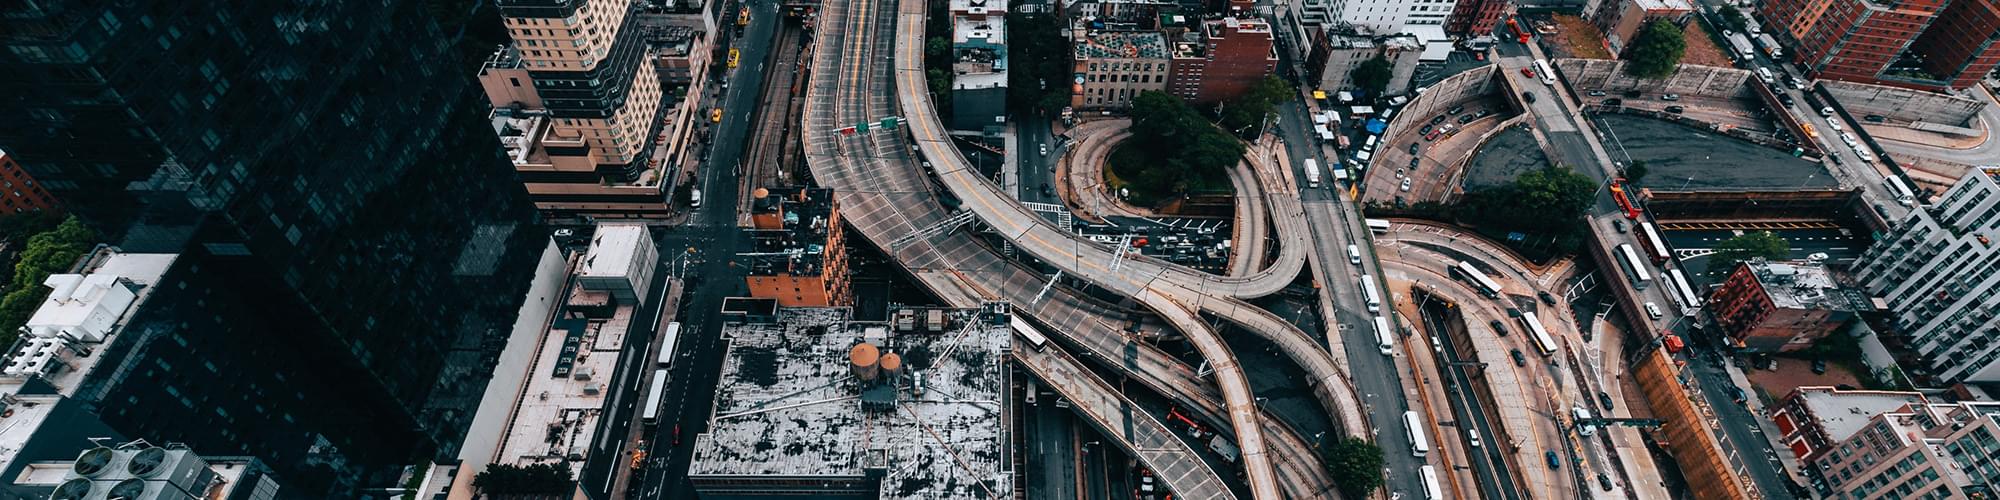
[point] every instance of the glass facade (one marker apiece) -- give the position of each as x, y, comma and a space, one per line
354, 244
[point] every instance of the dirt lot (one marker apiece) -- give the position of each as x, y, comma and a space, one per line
1579, 38
1796, 373
1701, 49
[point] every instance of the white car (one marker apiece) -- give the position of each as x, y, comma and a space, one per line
1849, 139
1653, 310
1833, 125
1406, 184
1864, 155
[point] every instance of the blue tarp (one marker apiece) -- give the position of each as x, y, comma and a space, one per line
1376, 125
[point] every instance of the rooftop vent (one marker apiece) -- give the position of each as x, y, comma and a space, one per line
74, 489
93, 462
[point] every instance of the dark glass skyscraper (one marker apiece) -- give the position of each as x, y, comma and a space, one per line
354, 245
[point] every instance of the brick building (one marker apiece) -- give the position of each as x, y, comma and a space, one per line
1773, 307
799, 256
1112, 67
1226, 58
1891, 444
1476, 18
1922, 44
18, 190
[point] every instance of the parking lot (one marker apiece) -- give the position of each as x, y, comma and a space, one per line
1685, 158
1509, 154
1199, 243
1441, 146
1737, 112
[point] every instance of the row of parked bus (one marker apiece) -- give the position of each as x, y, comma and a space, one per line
670, 339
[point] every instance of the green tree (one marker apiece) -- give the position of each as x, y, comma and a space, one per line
1656, 50
1733, 20
531, 481
1248, 111
1355, 464
1038, 79
1756, 245
1635, 172
1548, 199
1372, 76
1173, 149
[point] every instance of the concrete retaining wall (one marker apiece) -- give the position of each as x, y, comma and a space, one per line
1904, 105
1609, 76
1454, 90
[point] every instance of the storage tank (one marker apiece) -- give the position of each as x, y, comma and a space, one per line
892, 364
864, 359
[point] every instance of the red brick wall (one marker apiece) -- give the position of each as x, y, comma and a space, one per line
19, 192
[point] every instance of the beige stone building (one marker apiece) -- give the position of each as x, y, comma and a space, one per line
1115, 66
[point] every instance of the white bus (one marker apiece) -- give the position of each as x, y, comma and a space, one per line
1385, 339
1656, 247
1369, 294
1026, 331
1431, 489
1312, 172
1541, 335
1414, 425
1685, 290
670, 339
1901, 190
1379, 226
1542, 71
650, 414
1486, 286
1634, 268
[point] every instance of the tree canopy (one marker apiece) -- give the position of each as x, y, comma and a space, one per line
1372, 76
1635, 172
1038, 79
49, 252
1656, 50
1543, 200
1246, 113
1733, 20
1355, 464
515, 481
1173, 149
1754, 245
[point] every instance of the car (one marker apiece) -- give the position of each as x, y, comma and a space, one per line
1555, 462
1819, 367
1528, 72
1653, 309
1833, 125
565, 233
1604, 481
1413, 163
1045, 150
1618, 225
1581, 415
1399, 174
1455, 109
1864, 156
1498, 327
1786, 99
1528, 96
1546, 298
1604, 399
1670, 97
1676, 109
1826, 111
1817, 256
1484, 113
1438, 119
1406, 184
1413, 148
1613, 101
1519, 359
1597, 93
1835, 155
1875, 118
1466, 118
1472, 437
1849, 139
1632, 94
1433, 135
1426, 129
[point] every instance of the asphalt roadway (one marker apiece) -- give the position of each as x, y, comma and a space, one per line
1509, 154
709, 241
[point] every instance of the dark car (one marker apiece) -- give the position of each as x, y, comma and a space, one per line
1819, 367
1413, 163
1498, 327
1613, 101
1676, 109
1787, 99
1438, 119
1455, 109
1604, 481
1546, 298
1604, 399
1464, 119
1426, 129
1554, 461
1413, 148
1519, 359
1875, 118
1632, 94
1529, 96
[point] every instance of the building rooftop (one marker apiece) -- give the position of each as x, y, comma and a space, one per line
21, 420
1842, 413
561, 402
1664, 5
84, 312
794, 400
798, 246
1122, 45
612, 249
1806, 285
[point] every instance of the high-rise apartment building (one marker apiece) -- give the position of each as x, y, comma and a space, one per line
1389, 17
586, 99
1937, 273
350, 245
1224, 59
1925, 44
